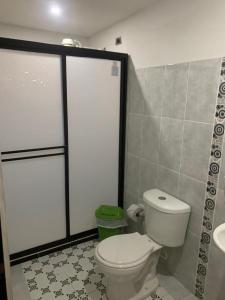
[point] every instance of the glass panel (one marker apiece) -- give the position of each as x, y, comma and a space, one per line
35, 201
93, 113
31, 113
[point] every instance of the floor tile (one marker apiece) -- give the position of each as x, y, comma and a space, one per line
167, 297
97, 296
173, 286
72, 274
161, 292
190, 297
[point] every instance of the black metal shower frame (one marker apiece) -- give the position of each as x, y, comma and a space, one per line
63, 52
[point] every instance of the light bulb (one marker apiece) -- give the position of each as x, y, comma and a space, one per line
55, 10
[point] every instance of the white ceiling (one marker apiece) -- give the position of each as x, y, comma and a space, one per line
82, 17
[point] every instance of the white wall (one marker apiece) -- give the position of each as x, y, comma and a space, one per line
22, 33
169, 31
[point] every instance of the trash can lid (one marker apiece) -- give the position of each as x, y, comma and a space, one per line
109, 212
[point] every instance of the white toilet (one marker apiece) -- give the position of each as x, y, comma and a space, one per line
129, 260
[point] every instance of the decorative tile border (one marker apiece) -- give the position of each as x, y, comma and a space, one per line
211, 188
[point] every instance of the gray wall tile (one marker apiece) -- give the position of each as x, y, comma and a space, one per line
196, 150
168, 181
170, 143
129, 198
132, 173
148, 176
153, 87
175, 91
202, 90
135, 98
150, 138
134, 123
193, 193
175, 157
182, 261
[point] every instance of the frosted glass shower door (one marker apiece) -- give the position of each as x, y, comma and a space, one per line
35, 205
31, 117
30, 100
93, 96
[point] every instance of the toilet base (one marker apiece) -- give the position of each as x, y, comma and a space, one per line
116, 292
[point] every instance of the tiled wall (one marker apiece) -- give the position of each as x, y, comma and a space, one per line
169, 134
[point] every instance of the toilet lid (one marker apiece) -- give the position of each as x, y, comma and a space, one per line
125, 249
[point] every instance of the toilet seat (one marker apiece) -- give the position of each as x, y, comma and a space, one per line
126, 250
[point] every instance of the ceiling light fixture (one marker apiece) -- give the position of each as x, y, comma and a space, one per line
55, 10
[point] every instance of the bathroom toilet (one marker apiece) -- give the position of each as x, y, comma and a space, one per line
129, 261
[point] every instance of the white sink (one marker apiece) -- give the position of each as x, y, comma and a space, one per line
219, 237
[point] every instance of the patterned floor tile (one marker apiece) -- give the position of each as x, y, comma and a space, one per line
77, 285
59, 257
70, 274
71, 258
35, 294
47, 297
167, 297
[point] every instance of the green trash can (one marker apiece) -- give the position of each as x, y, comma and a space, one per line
110, 220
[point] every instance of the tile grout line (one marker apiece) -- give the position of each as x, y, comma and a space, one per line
166, 117
160, 130
139, 163
182, 130
162, 166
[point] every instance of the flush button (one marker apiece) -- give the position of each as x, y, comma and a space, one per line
161, 198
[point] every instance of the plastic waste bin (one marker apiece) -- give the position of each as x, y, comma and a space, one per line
110, 220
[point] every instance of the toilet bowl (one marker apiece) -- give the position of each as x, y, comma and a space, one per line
129, 261
126, 260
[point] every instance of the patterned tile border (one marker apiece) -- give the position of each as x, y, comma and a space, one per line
211, 188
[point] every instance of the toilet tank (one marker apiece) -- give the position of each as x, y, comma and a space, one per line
166, 218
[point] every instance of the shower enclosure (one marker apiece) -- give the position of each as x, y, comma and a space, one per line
62, 136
